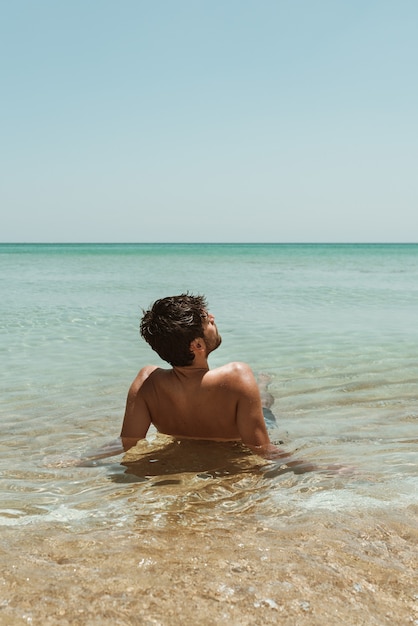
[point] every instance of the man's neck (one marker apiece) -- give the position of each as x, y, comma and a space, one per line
199, 363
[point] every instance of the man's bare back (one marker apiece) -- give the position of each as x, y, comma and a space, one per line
195, 402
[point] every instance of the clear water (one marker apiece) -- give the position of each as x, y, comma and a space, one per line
336, 328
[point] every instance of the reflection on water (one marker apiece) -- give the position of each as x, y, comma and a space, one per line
165, 455
194, 481
199, 482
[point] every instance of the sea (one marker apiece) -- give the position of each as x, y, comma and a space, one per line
205, 533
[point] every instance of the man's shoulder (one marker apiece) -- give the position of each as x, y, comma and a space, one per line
142, 376
235, 366
236, 371
146, 371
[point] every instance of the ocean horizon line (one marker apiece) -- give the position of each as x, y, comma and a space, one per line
208, 243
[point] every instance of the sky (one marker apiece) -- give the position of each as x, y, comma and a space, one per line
209, 121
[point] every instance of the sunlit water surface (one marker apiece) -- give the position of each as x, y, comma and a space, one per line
197, 532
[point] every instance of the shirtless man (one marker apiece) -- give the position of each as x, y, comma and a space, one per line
189, 400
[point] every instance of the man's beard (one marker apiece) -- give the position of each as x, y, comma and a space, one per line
214, 344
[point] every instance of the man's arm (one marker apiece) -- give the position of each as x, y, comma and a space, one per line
252, 427
137, 419
250, 420
112, 448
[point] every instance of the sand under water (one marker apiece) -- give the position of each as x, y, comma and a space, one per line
203, 533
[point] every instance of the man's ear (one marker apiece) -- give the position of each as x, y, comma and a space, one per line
197, 346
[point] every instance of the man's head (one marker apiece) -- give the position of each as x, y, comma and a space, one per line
173, 323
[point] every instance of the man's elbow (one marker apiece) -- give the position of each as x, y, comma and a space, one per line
129, 442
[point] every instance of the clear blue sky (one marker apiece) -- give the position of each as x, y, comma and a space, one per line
198, 120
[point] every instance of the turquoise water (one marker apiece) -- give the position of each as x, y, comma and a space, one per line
336, 328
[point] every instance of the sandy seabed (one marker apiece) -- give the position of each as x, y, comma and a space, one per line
323, 569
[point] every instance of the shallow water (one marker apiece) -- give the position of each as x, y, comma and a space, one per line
197, 532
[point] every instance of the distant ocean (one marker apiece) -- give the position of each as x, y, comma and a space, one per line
207, 534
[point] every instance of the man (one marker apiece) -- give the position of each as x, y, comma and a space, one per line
189, 400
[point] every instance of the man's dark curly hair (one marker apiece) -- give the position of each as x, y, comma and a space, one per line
171, 324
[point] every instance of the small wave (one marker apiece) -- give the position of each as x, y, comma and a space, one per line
347, 500
64, 514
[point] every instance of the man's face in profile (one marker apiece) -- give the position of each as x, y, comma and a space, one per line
210, 332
